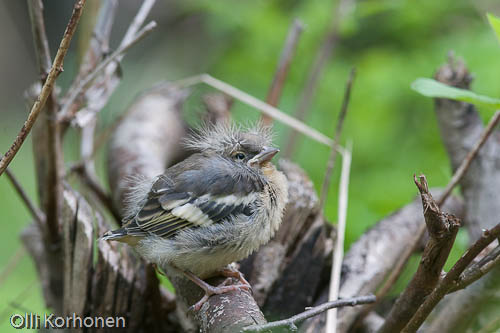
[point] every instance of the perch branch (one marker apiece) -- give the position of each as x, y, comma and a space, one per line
292, 321
265, 108
450, 279
291, 42
442, 229
56, 69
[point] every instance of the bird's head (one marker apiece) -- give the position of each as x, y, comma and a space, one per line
250, 146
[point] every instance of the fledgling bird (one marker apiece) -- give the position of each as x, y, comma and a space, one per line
215, 207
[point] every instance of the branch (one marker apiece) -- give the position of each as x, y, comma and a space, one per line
322, 56
373, 256
139, 19
442, 229
331, 321
338, 254
337, 135
96, 188
291, 42
456, 178
450, 280
56, 69
66, 113
35, 212
461, 127
35, 8
464, 166
292, 321
477, 270
258, 104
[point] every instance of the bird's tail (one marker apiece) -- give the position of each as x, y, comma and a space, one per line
115, 234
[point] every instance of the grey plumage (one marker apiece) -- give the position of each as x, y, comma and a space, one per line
215, 207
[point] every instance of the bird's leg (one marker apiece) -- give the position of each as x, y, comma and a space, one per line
234, 273
211, 290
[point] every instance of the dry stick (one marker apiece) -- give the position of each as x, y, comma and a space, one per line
456, 178
311, 312
56, 69
99, 43
334, 283
449, 280
20, 296
66, 113
265, 108
35, 8
338, 132
11, 264
55, 164
331, 316
94, 186
35, 212
477, 270
317, 68
292, 40
442, 229
137, 22
491, 326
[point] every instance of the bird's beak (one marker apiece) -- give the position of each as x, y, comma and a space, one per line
264, 156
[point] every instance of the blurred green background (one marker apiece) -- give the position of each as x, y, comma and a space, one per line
393, 129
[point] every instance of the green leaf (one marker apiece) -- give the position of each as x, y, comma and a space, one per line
433, 88
495, 24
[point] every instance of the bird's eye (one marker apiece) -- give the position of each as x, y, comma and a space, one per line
239, 156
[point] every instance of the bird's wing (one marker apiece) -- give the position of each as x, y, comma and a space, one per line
194, 198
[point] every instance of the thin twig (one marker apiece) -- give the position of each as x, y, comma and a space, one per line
56, 69
99, 43
35, 8
491, 326
456, 178
94, 186
449, 280
21, 298
137, 22
265, 108
35, 212
291, 42
66, 113
11, 264
338, 132
477, 270
464, 166
338, 254
322, 56
442, 229
292, 321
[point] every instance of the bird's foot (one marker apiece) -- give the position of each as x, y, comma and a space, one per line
234, 273
210, 290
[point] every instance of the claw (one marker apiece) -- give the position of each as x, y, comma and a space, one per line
222, 288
